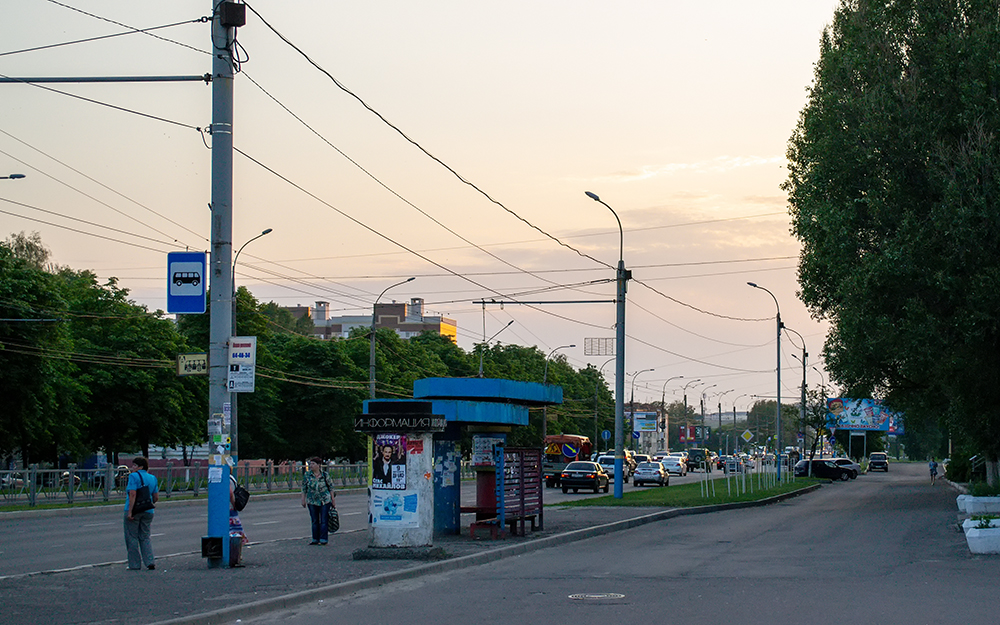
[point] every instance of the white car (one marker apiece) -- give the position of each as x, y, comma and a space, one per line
675, 464
608, 463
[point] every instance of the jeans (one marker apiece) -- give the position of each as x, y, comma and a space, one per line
137, 541
318, 515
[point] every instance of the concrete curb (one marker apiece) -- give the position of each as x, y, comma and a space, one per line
265, 606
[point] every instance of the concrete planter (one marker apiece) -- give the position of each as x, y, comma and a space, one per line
983, 541
969, 524
960, 500
982, 505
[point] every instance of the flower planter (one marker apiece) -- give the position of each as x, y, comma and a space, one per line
971, 524
982, 505
983, 541
960, 500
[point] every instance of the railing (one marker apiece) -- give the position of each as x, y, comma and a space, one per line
36, 486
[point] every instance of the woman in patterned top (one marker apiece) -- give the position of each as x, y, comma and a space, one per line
318, 496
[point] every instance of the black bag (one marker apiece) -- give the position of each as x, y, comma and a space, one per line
143, 500
240, 497
333, 520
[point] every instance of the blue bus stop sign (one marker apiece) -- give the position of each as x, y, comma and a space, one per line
186, 282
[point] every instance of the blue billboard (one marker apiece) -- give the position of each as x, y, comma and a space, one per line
862, 414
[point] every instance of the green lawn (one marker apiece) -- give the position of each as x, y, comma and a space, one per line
690, 495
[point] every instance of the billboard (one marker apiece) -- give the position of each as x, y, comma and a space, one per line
862, 414
644, 421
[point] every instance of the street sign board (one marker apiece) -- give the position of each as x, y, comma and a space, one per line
747, 435
192, 364
635, 434
606, 435
599, 347
186, 283
242, 363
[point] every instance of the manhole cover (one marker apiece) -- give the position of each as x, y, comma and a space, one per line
591, 596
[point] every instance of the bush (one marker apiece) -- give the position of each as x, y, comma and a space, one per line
982, 489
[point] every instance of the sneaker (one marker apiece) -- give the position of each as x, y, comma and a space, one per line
315, 542
151, 567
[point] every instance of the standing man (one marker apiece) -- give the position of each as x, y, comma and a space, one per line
142, 491
933, 466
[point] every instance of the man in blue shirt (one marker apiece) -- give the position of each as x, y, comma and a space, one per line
137, 523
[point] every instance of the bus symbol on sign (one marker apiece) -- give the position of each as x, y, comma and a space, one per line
187, 277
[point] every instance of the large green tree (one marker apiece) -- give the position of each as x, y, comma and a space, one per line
894, 183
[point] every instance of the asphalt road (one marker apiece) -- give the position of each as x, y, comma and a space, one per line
65, 539
879, 549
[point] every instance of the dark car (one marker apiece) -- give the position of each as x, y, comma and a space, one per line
582, 474
699, 458
825, 469
651, 472
878, 461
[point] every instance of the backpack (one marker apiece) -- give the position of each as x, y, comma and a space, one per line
240, 497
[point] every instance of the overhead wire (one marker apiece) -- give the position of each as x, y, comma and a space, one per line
131, 31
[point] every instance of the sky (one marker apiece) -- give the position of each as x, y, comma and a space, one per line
677, 114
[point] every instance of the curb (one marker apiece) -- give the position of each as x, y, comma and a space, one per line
265, 606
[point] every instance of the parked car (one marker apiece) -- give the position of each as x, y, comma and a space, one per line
675, 463
651, 472
608, 464
584, 474
699, 458
11, 480
878, 461
640, 458
825, 469
848, 464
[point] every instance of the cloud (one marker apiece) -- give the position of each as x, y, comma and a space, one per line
719, 164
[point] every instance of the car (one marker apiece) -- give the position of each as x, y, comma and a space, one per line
608, 464
640, 458
825, 468
848, 464
651, 472
699, 458
64, 479
734, 464
675, 464
11, 480
584, 474
878, 461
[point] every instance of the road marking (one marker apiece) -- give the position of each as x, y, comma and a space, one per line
98, 524
155, 535
266, 523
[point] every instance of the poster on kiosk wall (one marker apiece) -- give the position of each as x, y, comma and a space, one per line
389, 462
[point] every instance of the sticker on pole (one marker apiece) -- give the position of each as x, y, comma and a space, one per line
242, 363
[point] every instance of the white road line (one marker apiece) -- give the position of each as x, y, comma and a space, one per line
98, 524
266, 523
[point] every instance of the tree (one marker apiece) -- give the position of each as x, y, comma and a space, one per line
894, 179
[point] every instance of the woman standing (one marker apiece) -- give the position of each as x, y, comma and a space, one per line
318, 495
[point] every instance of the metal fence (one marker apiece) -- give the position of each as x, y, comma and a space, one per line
36, 486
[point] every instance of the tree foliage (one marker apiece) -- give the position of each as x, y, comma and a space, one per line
894, 179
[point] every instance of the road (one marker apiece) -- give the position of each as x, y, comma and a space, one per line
879, 549
64, 539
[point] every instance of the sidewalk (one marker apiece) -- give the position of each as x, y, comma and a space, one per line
279, 574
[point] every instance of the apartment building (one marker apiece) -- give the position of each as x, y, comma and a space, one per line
407, 320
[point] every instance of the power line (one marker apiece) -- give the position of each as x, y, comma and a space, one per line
133, 31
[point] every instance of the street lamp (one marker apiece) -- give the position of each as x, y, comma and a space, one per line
545, 380
233, 412
720, 396
632, 400
802, 412
666, 417
482, 352
622, 277
12, 177
371, 334
704, 391
736, 441
686, 432
777, 418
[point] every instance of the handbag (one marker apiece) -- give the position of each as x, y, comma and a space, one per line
143, 500
240, 498
332, 520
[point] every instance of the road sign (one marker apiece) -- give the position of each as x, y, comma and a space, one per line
747, 435
242, 363
606, 435
186, 283
635, 435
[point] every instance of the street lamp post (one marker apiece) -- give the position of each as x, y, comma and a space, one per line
545, 380
703, 393
736, 441
720, 396
802, 411
482, 352
622, 276
777, 419
632, 400
666, 417
687, 431
371, 334
233, 417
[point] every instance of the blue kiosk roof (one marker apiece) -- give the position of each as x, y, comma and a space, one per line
488, 390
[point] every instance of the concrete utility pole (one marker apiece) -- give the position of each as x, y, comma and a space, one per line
224, 22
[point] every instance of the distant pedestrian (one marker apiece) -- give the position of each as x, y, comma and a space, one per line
318, 496
933, 466
142, 491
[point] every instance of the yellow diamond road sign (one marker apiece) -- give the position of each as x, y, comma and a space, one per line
746, 435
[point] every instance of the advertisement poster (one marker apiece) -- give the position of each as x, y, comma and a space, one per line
389, 462
394, 508
644, 421
482, 448
861, 414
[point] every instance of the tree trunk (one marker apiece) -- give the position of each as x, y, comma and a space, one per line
991, 472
